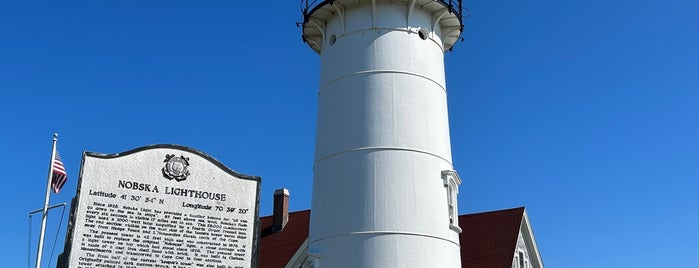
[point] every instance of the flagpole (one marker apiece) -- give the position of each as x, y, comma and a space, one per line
46, 203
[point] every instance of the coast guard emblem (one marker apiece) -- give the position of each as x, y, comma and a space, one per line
176, 167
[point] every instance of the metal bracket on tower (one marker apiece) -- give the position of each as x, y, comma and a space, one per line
451, 33
411, 6
373, 14
322, 34
340, 11
439, 18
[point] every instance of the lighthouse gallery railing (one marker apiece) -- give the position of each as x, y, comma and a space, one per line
308, 7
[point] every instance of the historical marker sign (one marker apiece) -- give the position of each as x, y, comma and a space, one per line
162, 206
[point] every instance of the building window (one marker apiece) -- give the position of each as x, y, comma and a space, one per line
451, 183
521, 259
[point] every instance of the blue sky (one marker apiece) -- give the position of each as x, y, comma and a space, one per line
585, 112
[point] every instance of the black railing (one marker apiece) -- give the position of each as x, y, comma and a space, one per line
308, 7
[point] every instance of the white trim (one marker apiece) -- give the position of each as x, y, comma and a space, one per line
451, 174
526, 230
299, 257
451, 182
380, 71
387, 233
316, 259
379, 148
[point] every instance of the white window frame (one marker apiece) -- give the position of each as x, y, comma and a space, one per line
451, 183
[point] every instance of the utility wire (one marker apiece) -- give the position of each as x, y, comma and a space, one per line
29, 242
56, 238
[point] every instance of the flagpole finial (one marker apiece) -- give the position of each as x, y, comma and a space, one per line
55, 136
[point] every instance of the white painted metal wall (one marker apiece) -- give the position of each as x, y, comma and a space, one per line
382, 141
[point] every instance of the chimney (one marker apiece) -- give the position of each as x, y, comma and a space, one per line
281, 209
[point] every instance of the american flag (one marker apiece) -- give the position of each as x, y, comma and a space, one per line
58, 174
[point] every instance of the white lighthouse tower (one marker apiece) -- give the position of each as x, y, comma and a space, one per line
384, 188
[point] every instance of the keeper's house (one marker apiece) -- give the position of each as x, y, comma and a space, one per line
492, 239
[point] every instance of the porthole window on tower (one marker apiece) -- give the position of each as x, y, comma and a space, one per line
422, 33
451, 182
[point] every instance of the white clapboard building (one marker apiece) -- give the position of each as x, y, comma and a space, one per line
493, 239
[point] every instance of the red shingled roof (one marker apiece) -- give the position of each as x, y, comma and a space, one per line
488, 239
277, 248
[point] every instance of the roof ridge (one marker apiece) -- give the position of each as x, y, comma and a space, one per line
495, 211
295, 212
